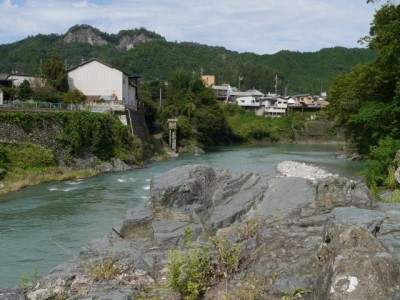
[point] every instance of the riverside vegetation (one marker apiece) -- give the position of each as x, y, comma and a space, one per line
366, 100
42, 147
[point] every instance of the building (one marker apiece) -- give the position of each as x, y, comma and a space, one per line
249, 103
208, 80
15, 80
275, 106
98, 80
5, 81
304, 99
222, 92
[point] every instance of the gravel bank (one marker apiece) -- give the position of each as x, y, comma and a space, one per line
296, 169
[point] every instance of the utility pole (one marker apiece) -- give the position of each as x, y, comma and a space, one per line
240, 79
276, 84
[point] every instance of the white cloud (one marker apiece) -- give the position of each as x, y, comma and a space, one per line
260, 26
8, 3
84, 4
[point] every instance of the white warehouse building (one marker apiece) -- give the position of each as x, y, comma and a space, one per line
98, 80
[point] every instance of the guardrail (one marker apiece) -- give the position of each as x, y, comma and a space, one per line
32, 105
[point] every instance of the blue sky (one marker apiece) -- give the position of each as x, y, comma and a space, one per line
259, 26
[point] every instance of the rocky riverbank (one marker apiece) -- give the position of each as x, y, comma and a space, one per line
303, 170
325, 237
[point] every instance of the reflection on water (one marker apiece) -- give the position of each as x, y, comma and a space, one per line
45, 225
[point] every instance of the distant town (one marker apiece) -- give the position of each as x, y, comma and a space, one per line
109, 89
270, 104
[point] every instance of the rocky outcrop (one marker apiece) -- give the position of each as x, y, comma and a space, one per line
124, 40
127, 42
85, 34
327, 237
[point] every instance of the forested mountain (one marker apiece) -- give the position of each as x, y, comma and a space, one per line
149, 55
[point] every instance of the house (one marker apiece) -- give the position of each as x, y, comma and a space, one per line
208, 80
304, 99
249, 103
98, 80
275, 106
5, 81
15, 80
222, 92
18, 79
249, 93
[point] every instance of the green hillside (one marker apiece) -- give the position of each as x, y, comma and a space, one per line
156, 58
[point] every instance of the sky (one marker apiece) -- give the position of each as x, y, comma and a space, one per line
258, 26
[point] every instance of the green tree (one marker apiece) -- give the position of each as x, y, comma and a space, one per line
188, 99
74, 97
367, 99
55, 73
9, 93
47, 93
25, 91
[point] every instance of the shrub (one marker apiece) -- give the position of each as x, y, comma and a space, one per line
227, 258
253, 286
28, 155
193, 269
105, 268
381, 160
3, 159
190, 272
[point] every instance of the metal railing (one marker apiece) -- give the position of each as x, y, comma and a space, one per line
35, 105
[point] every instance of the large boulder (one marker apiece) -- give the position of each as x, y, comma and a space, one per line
360, 267
327, 236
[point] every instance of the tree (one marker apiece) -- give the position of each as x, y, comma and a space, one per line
55, 73
25, 91
74, 97
201, 119
366, 100
47, 93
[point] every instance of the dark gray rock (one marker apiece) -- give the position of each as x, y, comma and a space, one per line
330, 237
344, 216
12, 294
339, 191
360, 268
114, 165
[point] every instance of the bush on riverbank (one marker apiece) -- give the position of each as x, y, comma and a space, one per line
247, 127
25, 164
42, 147
381, 163
76, 133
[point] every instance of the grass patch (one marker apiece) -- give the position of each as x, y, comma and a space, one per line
395, 198
18, 178
104, 269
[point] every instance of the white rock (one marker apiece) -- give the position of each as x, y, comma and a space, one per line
297, 169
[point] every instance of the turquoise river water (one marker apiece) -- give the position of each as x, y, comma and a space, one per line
45, 225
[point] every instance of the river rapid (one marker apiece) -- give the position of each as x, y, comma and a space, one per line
45, 225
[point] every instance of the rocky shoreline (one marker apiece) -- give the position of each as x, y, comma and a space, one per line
323, 235
303, 170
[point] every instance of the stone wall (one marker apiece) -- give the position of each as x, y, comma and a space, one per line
319, 132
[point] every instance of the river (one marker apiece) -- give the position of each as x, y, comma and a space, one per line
45, 225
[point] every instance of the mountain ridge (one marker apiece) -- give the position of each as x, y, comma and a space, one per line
146, 53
